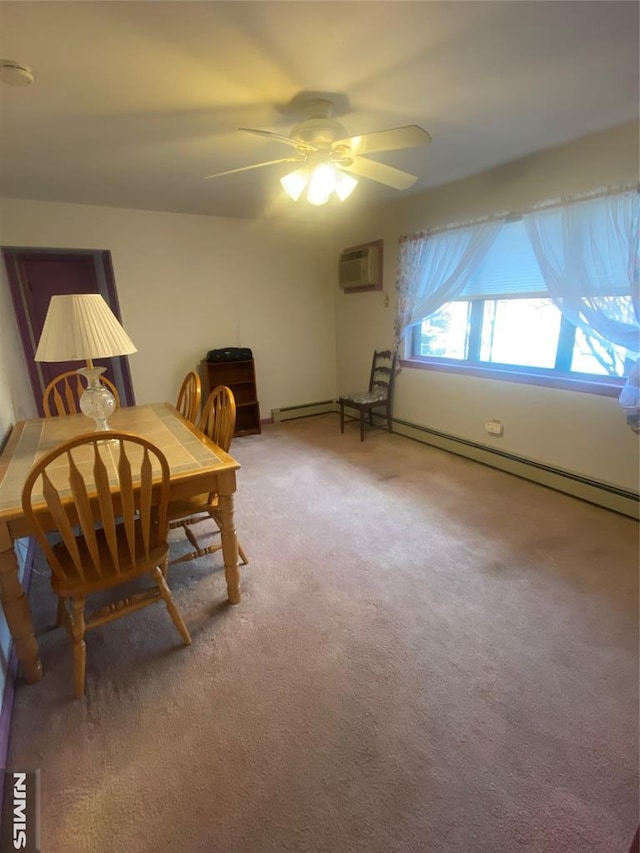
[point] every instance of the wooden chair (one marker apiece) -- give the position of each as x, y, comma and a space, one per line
218, 422
189, 397
379, 395
62, 394
107, 539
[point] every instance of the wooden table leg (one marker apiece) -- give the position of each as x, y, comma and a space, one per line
229, 547
16, 610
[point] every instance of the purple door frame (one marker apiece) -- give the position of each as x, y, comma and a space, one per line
37, 274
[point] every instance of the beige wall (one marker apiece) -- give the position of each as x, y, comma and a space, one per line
581, 433
16, 399
187, 284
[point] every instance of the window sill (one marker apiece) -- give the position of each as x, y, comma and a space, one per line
605, 387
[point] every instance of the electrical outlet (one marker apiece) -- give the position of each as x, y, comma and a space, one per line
494, 427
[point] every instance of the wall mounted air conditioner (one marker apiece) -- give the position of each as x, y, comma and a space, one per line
360, 267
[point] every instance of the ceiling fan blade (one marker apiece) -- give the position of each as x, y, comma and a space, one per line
410, 136
255, 166
277, 137
380, 172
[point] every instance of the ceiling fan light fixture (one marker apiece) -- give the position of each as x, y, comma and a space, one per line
321, 185
321, 182
345, 185
295, 182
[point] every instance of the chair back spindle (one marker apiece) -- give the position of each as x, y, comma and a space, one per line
189, 396
218, 420
102, 506
62, 394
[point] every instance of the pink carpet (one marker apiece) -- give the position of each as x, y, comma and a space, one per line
430, 655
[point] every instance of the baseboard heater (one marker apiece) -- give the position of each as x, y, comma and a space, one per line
304, 410
601, 494
610, 497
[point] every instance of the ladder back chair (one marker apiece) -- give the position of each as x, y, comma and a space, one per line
189, 396
218, 421
62, 394
379, 394
112, 521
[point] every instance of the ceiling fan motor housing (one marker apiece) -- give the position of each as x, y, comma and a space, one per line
319, 132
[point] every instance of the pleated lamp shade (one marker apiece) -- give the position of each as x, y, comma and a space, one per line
81, 327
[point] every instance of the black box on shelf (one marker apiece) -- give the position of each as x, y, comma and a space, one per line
230, 354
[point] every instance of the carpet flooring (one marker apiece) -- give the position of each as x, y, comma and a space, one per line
429, 655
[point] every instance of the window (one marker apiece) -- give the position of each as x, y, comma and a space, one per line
505, 319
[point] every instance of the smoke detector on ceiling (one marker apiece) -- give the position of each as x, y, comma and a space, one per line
14, 73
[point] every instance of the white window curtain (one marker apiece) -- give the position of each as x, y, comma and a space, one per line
588, 251
433, 269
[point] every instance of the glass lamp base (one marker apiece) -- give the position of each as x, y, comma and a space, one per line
97, 401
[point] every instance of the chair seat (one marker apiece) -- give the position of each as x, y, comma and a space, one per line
108, 576
363, 398
190, 506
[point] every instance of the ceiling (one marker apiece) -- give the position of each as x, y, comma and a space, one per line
135, 102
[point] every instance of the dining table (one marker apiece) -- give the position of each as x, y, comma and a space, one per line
197, 466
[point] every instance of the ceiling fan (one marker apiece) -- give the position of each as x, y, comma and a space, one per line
327, 158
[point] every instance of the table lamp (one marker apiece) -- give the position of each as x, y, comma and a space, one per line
81, 327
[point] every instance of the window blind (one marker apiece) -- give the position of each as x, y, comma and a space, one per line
510, 268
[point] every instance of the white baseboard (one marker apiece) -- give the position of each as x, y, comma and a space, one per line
304, 410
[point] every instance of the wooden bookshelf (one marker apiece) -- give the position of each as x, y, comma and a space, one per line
240, 376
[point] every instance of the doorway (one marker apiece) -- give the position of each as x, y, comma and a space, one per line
35, 275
